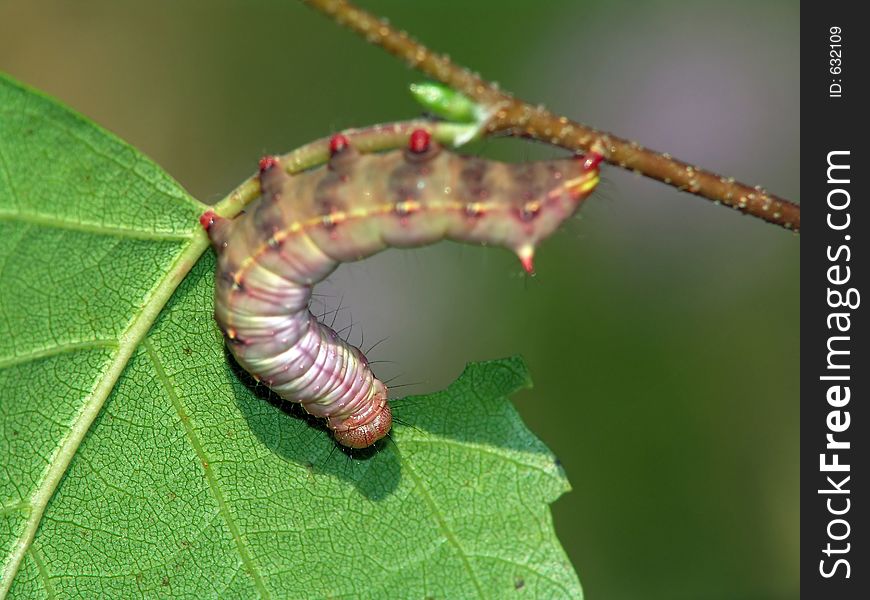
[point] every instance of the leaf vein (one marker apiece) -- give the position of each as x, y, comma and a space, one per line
442, 524
11, 361
241, 548
480, 449
43, 572
525, 567
86, 227
15, 507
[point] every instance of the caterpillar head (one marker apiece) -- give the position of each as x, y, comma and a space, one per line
376, 425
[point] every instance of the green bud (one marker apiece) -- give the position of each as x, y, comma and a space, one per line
446, 103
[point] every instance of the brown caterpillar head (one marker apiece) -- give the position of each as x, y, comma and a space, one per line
366, 435
375, 427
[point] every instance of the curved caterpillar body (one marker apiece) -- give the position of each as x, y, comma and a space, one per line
304, 225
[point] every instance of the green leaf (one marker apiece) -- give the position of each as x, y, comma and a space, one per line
138, 462
95, 237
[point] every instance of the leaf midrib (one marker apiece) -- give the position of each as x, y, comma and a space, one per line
128, 341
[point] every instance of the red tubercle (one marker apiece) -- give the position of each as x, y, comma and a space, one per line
528, 264
268, 162
419, 141
207, 219
526, 254
591, 160
337, 143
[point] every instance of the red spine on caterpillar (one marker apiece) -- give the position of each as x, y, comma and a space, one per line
419, 141
270, 257
216, 227
591, 160
206, 219
268, 162
527, 259
337, 143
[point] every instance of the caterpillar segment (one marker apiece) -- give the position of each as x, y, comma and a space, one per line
305, 225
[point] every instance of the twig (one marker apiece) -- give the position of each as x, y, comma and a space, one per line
516, 117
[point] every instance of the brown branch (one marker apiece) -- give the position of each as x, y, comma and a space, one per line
520, 118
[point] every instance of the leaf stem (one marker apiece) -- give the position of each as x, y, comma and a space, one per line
516, 117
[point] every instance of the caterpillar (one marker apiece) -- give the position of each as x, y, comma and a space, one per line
356, 205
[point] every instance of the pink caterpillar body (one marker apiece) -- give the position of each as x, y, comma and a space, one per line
304, 225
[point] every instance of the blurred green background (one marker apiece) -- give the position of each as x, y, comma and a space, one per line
661, 330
